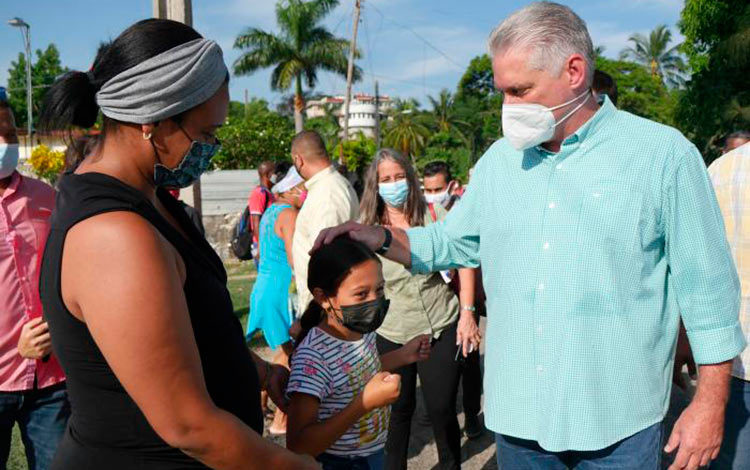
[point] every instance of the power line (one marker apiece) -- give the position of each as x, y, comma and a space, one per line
422, 38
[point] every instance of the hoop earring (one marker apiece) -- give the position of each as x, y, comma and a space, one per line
147, 136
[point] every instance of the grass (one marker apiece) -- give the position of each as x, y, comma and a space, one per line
241, 278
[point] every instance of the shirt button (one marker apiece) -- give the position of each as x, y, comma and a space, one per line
539, 330
559, 166
546, 245
539, 369
552, 205
540, 286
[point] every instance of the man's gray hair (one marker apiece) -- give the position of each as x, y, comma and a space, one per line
552, 33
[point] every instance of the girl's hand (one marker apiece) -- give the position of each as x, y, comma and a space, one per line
382, 390
468, 336
418, 349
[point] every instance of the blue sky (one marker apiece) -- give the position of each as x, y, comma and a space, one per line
441, 39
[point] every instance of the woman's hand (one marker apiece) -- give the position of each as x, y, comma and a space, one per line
468, 335
417, 349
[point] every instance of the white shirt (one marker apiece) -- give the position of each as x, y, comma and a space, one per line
331, 201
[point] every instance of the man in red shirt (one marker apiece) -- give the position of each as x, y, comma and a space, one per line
32, 384
260, 199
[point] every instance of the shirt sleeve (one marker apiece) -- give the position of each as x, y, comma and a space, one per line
309, 374
701, 267
257, 201
452, 242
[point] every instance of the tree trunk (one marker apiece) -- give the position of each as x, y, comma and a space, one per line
299, 106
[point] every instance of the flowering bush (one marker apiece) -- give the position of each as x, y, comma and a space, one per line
46, 163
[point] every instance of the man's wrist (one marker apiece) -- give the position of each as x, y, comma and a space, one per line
387, 240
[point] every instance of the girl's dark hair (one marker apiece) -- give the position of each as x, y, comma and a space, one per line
328, 268
71, 101
280, 170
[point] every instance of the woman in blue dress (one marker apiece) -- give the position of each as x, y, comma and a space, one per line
270, 309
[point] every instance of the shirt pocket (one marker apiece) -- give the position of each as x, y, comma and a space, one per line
610, 218
609, 254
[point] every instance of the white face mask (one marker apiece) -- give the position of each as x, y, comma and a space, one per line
8, 159
529, 124
438, 198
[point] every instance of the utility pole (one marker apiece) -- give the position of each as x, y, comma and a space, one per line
377, 116
247, 104
182, 11
26, 32
350, 69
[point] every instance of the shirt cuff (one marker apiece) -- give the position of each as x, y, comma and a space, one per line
422, 254
717, 345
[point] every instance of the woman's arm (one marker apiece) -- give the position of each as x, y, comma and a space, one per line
467, 333
416, 350
285, 225
306, 435
123, 279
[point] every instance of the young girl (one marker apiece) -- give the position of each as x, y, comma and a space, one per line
338, 409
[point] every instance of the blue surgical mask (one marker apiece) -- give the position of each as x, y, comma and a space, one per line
195, 162
8, 159
394, 194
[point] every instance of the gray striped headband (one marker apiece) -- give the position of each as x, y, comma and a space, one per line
165, 85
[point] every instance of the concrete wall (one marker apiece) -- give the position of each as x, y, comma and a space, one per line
225, 194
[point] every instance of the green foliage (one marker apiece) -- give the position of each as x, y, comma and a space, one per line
451, 149
247, 141
44, 70
357, 153
238, 110
407, 133
705, 23
654, 53
717, 99
478, 79
327, 126
639, 91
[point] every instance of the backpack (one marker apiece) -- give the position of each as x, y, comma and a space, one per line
242, 234
242, 238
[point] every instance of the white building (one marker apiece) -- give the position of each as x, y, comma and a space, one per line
361, 111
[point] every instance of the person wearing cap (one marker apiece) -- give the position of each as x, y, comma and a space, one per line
32, 384
159, 375
270, 309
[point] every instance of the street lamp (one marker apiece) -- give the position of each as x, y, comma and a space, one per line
19, 23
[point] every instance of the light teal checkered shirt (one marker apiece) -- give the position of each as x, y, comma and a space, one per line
589, 258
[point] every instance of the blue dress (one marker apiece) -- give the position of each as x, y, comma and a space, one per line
269, 302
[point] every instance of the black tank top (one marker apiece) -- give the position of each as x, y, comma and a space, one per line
106, 429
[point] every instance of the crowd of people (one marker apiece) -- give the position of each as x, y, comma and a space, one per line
595, 242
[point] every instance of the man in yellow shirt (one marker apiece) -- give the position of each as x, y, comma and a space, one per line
330, 201
730, 175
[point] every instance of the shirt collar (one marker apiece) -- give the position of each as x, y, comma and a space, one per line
319, 176
15, 182
595, 122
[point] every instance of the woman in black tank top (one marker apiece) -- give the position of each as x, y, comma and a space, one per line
159, 375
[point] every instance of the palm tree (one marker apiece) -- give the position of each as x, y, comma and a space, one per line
654, 52
443, 112
301, 48
405, 133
